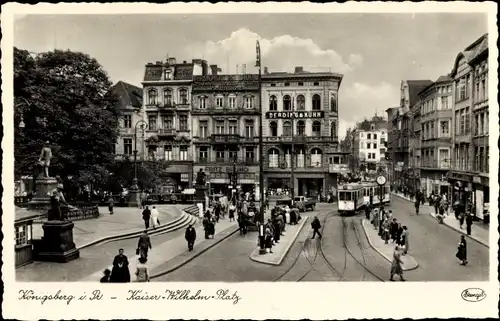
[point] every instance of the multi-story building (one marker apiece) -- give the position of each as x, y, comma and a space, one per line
226, 111
470, 124
369, 147
167, 112
435, 139
300, 132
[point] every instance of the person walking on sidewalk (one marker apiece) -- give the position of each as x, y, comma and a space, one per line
396, 267
461, 218
462, 250
144, 245
468, 222
190, 236
111, 204
142, 271
405, 240
394, 230
155, 217
417, 204
316, 225
146, 216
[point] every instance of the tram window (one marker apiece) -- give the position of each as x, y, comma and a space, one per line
348, 196
341, 196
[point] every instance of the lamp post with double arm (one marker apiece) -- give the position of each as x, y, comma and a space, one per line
143, 125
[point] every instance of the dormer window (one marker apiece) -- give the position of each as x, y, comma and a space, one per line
168, 74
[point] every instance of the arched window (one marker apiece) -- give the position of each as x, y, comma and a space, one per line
333, 102
287, 103
301, 128
301, 102
167, 97
273, 126
273, 157
152, 97
287, 128
273, 103
316, 157
316, 128
300, 157
288, 157
333, 129
316, 102
183, 96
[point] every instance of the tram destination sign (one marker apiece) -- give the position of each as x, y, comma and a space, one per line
294, 114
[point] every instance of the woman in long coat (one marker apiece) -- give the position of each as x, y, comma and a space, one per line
405, 239
120, 272
396, 267
462, 250
269, 239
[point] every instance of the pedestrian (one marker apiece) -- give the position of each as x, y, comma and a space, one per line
232, 209
146, 216
190, 236
385, 227
461, 218
398, 234
120, 272
155, 220
468, 222
144, 245
396, 267
405, 240
142, 271
462, 251
111, 204
276, 230
368, 209
417, 205
217, 209
206, 221
380, 221
394, 230
268, 240
316, 225
105, 278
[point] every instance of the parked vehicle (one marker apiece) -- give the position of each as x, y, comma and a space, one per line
304, 203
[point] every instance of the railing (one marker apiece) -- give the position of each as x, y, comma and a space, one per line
85, 212
21, 201
166, 131
435, 164
227, 160
225, 110
225, 138
300, 139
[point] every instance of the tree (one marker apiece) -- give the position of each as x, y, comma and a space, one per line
64, 97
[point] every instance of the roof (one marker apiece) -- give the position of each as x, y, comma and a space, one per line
473, 51
443, 79
415, 87
129, 95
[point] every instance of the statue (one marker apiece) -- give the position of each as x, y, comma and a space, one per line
200, 178
44, 160
56, 211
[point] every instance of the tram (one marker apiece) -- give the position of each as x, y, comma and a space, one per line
350, 198
372, 188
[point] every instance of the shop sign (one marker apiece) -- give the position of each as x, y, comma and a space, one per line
294, 114
226, 169
461, 177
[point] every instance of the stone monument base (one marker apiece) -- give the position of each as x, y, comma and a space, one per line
57, 243
133, 200
199, 196
41, 199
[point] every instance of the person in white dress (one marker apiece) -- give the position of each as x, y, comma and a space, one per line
155, 221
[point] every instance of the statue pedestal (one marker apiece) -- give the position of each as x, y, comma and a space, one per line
133, 200
57, 243
41, 199
200, 195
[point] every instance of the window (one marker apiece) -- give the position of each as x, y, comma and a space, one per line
21, 235
316, 157
444, 128
183, 96
273, 103
301, 102
233, 127
168, 153
288, 157
368, 145
203, 129
219, 100
183, 123
333, 129
203, 102
219, 154
316, 128
467, 86
484, 89
369, 136
374, 136
333, 102
486, 123
168, 122
127, 146
300, 158
249, 128
316, 102
301, 84
287, 84
232, 102
249, 154
219, 127
461, 88
127, 121
152, 122
273, 127
249, 102
467, 120
316, 83
374, 145
444, 102
152, 97
287, 103
301, 128
477, 92
287, 129
273, 158
481, 124
183, 153
232, 155
432, 129
273, 85
167, 97
203, 154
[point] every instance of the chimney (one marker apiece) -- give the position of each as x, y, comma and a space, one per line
213, 68
266, 71
204, 66
299, 69
184, 62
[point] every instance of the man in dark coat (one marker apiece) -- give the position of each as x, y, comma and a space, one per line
316, 225
146, 216
462, 250
120, 272
144, 244
190, 236
468, 222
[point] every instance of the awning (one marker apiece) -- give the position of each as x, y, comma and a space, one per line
189, 191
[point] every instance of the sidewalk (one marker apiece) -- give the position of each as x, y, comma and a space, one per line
280, 249
160, 255
124, 220
386, 250
480, 231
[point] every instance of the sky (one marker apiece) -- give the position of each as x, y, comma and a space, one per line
374, 52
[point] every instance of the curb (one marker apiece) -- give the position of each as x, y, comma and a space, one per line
289, 246
462, 232
166, 228
195, 255
382, 254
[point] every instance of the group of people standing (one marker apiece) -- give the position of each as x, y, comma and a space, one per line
389, 229
120, 272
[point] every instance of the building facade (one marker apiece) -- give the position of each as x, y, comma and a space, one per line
369, 147
300, 132
435, 139
471, 125
226, 111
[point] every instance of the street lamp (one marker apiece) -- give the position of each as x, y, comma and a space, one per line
143, 126
258, 64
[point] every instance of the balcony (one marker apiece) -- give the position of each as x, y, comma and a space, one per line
167, 132
227, 161
300, 139
225, 110
434, 164
167, 106
225, 138
126, 131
